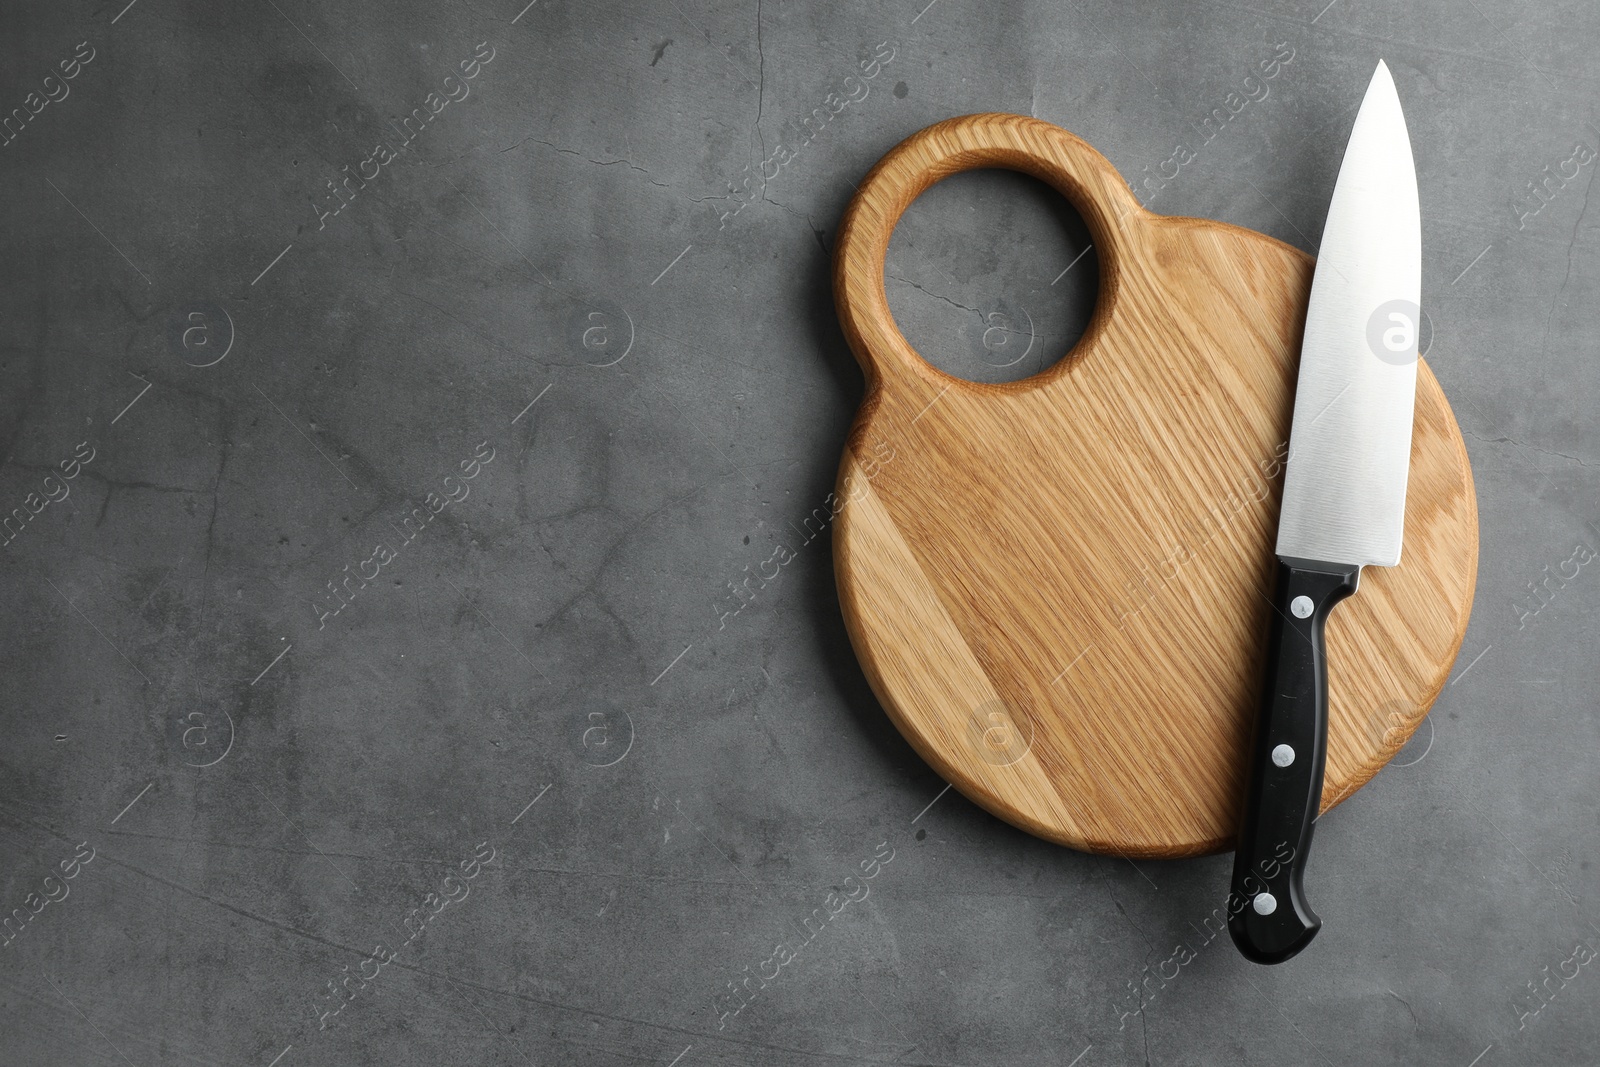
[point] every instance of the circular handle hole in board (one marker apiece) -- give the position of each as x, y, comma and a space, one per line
991, 275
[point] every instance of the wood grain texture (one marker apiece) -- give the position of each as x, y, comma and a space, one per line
1058, 588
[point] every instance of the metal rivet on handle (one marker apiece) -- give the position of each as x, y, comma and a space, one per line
1301, 606
1283, 755
1265, 904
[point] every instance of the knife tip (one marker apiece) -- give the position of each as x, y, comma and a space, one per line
1382, 95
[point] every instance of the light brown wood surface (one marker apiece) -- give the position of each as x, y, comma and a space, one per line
1058, 588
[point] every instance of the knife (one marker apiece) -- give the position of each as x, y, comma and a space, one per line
1344, 503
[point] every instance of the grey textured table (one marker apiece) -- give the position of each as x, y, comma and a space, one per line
393, 394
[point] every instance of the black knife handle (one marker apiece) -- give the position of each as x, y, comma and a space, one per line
1267, 911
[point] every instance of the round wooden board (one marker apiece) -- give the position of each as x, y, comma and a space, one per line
1058, 588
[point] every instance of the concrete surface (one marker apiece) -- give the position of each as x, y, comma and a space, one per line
252, 392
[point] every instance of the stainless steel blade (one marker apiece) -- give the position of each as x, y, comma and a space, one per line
1344, 493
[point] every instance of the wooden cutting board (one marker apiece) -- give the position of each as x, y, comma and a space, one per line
1058, 587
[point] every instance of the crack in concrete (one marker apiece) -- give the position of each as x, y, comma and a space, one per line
931, 293
1522, 444
1407, 1003
761, 96
597, 162
1576, 226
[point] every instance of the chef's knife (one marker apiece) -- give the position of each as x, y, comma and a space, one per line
1344, 503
